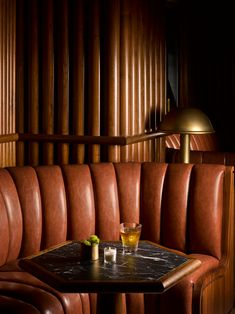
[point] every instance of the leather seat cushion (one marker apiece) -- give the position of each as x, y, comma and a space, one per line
22, 285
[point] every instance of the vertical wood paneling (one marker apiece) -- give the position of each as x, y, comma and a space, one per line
2, 73
62, 48
145, 90
7, 79
152, 79
148, 77
78, 69
33, 80
133, 115
112, 87
12, 79
125, 72
163, 108
94, 76
161, 79
20, 86
139, 81
94, 68
48, 80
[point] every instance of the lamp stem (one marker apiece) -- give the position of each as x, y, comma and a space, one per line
184, 148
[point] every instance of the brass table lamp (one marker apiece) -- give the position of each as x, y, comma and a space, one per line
186, 121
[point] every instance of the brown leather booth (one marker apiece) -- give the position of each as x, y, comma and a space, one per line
185, 207
209, 157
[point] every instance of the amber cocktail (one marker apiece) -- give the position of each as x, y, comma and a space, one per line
130, 235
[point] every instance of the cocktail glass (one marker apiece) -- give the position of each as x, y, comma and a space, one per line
130, 235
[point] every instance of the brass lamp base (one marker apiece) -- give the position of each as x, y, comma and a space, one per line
185, 148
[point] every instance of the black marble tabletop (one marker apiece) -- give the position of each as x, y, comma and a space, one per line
144, 271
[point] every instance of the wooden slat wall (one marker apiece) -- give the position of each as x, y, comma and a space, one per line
62, 78
89, 67
78, 83
112, 85
20, 86
48, 80
7, 79
33, 78
94, 75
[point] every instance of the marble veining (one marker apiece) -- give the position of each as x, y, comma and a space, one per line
149, 263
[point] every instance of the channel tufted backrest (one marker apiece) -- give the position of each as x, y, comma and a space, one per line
179, 205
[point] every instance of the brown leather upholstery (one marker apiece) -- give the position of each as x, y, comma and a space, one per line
206, 157
185, 207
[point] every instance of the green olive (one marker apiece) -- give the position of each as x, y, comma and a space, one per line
94, 239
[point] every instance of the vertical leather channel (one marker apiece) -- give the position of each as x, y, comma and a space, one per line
106, 200
4, 232
128, 179
152, 180
80, 201
54, 208
174, 206
27, 186
14, 215
205, 209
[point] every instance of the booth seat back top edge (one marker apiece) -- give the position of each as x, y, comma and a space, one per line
180, 206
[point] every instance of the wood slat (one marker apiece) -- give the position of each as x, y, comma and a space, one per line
78, 72
62, 48
7, 80
144, 91
48, 79
124, 75
33, 80
112, 86
94, 76
139, 86
20, 87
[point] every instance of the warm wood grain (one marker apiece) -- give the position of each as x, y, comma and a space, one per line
82, 68
87, 139
33, 81
48, 80
112, 85
78, 77
94, 79
7, 79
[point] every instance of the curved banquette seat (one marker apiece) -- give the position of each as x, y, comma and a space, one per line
185, 207
205, 157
